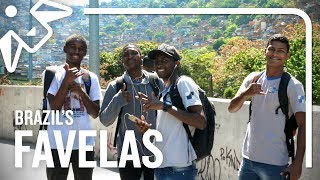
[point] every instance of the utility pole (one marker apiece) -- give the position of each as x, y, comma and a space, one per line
30, 44
94, 60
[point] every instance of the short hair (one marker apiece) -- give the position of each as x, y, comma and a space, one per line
129, 46
75, 37
280, 38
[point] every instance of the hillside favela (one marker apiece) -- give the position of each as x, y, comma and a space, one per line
255, 70
199, 34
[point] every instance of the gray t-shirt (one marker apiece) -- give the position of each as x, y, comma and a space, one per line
265, 138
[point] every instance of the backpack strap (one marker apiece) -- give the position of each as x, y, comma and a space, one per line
290, 124
177, 102
282, 94
256, 77
87, 80
48, 77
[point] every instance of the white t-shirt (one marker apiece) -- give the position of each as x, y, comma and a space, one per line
72, 102
176, 148
265, 138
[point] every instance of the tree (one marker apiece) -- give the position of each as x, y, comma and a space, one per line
231, 28
198, 64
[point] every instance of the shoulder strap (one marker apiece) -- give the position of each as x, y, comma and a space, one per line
256, 77
48, 77
177, 102
87, 80
154, 82
282, 94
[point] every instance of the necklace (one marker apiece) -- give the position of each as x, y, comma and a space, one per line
138, 78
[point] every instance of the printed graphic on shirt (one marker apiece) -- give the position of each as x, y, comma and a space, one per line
189, 95
74, 102
301, 99
272, 90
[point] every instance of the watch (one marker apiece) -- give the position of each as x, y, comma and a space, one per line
166, 106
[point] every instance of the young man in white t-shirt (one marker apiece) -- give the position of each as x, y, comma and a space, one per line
178, 153
67, 92
265, 154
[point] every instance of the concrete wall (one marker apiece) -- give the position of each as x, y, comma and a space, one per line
226, 154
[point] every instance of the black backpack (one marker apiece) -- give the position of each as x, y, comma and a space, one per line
202, 140
291, 123
155, 85
48, 77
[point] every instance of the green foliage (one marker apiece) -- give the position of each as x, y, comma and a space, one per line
111, 66
218, 43
236, 68
231, 28
274, 3
229, 92
198, 64
296, 65
316, 65
189, 22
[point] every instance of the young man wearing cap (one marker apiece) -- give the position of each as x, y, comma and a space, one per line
265, 154
178, 153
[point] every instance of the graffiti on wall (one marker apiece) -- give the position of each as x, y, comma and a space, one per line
212, 168
229, 157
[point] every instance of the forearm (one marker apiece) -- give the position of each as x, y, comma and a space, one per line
301, 145
237, 102
110, 108
194, 119
92, 107
56, 102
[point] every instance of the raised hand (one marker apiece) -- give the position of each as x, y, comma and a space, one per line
71, 73
254, 88
143, 125
150, 102
76, 87
125, 94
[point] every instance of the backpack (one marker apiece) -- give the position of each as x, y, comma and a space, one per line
154, 82
202, 140
291, 123
48, 77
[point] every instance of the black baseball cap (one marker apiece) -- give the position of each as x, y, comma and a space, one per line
167, 49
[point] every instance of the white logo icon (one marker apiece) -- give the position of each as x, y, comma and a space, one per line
43, 17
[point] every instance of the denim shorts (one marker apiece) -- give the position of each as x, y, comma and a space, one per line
250, 170
176, 173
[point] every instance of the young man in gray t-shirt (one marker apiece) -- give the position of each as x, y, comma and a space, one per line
265, 154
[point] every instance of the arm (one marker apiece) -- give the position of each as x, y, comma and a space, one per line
112, 103
237, 102
56, 100
92, 107
193, 117
252, 90
296, 96
295, 168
